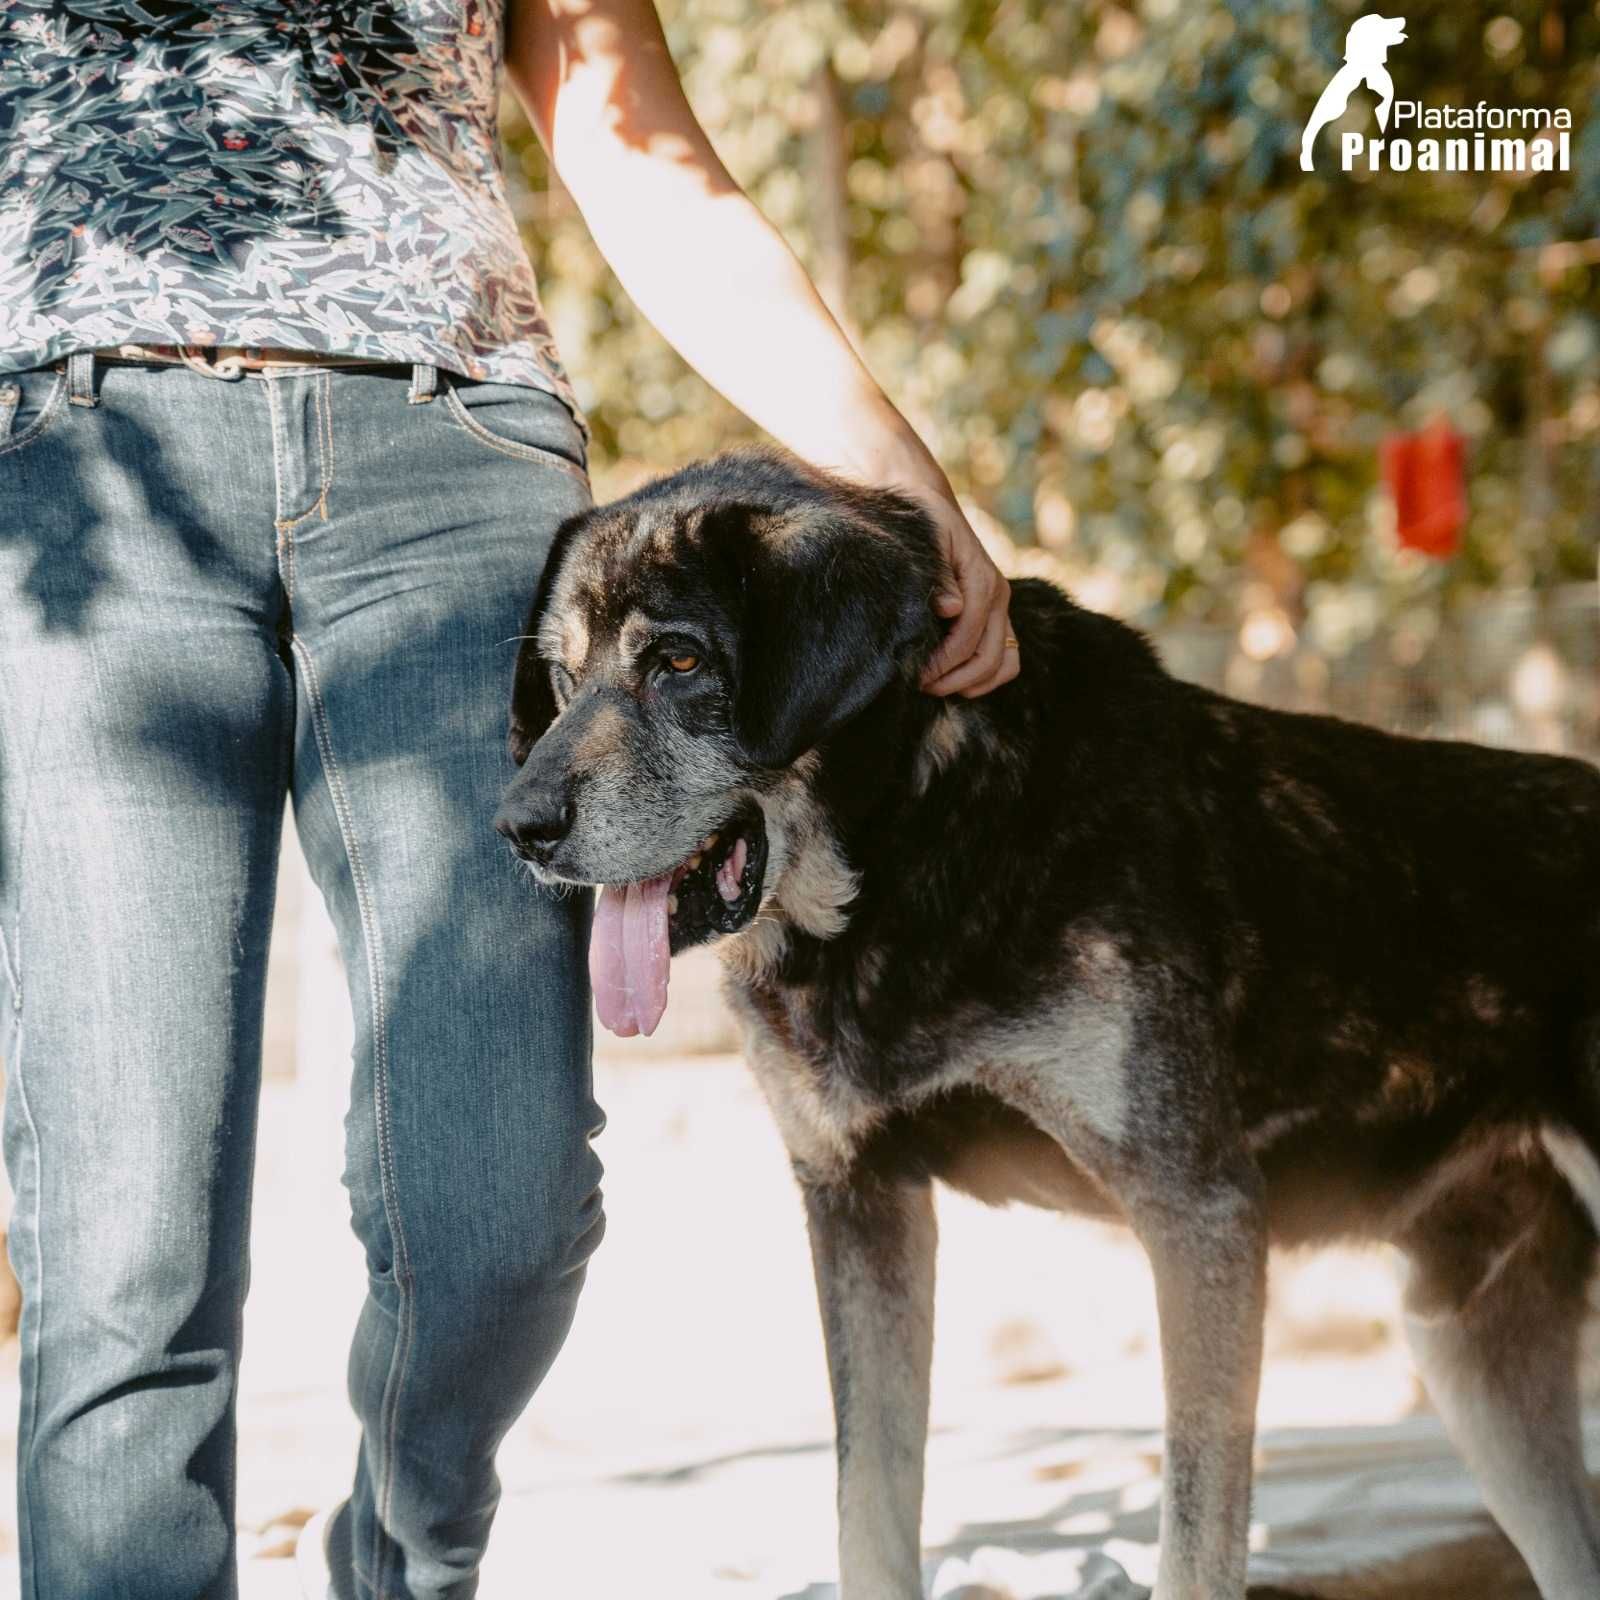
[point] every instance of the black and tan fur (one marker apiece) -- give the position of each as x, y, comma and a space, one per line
1105, 941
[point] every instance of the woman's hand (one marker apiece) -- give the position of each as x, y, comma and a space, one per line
980, 652
714, 276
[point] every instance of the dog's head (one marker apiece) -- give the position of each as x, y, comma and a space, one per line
1372, 37
689, 648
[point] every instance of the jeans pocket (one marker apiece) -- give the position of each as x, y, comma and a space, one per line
528, 423
29, 402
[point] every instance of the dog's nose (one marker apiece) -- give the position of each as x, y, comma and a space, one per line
536, 819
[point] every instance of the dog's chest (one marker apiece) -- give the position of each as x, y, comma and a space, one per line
1063, 1065
822, 1113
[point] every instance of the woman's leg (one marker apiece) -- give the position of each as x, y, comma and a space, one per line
473, 1184
144, 745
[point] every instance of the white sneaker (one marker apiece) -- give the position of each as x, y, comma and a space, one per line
311, 1557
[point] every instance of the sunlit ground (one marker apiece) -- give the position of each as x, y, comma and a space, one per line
681, 1447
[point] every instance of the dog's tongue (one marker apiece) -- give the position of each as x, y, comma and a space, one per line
629, 955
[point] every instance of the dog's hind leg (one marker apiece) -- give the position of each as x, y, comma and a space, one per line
1495, 1297
872, 1243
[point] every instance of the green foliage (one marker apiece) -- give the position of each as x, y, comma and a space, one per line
1081, 253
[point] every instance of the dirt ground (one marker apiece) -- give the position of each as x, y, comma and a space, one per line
681, 1447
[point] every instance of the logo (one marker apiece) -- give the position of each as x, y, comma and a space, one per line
1366, 49
1532, 139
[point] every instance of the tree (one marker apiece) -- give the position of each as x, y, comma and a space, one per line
1075, 242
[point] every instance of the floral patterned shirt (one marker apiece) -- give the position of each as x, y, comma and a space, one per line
289, 173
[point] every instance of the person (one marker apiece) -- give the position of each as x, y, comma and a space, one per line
284, 438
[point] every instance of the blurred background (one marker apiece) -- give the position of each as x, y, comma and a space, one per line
1334, 440
1158, 360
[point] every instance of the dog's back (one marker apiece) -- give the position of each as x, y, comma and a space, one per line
1394, 942
1415, 964
1382, 868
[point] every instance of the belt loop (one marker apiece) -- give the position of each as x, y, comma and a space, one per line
424, 383
80, 378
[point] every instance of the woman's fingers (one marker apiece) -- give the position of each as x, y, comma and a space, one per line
1010, 664
970, 616
994, 661
971, 657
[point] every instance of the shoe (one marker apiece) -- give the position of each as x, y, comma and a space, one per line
313, 1559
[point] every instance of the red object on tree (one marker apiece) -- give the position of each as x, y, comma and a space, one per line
1425, 473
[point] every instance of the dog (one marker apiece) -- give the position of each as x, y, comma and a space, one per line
1101, 940
1366, 50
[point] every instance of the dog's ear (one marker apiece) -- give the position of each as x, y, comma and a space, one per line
836, 603
533, 703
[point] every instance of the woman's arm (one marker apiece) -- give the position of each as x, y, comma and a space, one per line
703, 264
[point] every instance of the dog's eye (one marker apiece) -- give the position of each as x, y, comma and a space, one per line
683, 661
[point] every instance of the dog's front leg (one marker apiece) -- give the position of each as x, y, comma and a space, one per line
872, 1243
1208, 1255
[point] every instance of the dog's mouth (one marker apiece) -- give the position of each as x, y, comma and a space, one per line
639, 927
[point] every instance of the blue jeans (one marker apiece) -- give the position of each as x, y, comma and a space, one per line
215, 594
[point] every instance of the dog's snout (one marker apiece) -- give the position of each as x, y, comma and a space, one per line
535, 818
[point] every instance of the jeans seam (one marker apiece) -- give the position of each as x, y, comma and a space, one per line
325, 415
29, 1334
12, 972
11, 949
52, 408
509, 447
285, 525
283, 545
389, 1417
32, 1316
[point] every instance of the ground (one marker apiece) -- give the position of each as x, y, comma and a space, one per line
682, 1445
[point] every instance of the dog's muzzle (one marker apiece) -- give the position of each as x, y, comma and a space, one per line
534, 819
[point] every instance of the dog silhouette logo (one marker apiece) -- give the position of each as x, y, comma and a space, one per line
1366, 48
